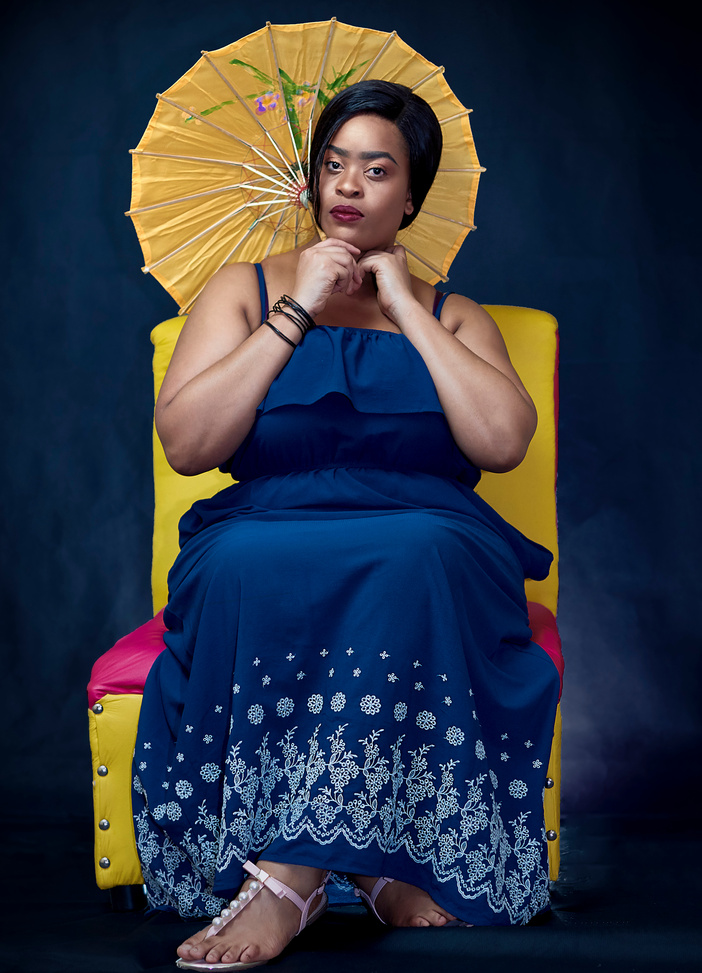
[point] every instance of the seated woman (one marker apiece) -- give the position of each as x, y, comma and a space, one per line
349, 683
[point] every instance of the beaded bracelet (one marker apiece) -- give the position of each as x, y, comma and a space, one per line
280, 334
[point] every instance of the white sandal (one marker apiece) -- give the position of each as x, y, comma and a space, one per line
375, 892
281, 890
378, 888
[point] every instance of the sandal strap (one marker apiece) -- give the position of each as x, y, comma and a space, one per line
375, 892
234, 908
281, 890
262, 878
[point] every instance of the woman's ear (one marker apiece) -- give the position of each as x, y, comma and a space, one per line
409, 205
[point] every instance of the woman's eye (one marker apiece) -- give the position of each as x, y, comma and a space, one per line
333, 165
377, 171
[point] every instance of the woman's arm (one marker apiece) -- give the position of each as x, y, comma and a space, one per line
224, 361
490, 413
220, 371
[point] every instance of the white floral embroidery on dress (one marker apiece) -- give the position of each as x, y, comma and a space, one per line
518, 788
338, 701
315, 703
184, 789
210, 772
480, 750
255, 713
285, 706
536, 764
370, 705
173, 811
400, 711
398, 802
455, 736
426, 720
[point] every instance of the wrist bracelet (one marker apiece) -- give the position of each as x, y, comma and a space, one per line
295, 313
290, 318
280, 334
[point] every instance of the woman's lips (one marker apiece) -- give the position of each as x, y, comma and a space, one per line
346, 214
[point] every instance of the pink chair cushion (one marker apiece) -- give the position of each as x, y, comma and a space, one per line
544, 631
124, 667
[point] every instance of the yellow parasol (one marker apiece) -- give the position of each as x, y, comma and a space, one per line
220, 174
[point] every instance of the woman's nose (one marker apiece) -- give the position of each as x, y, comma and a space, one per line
349, 184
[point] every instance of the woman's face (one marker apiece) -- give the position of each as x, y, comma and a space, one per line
364, 183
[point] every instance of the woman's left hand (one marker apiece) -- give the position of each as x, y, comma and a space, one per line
392, 279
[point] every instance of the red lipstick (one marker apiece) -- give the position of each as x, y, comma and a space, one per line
346, 214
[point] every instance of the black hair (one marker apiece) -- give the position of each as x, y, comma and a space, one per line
414, 118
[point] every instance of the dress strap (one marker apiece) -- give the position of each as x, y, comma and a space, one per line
439, 299
263, 291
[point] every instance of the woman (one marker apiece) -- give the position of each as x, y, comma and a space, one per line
349, 682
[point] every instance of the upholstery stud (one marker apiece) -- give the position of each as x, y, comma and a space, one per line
105, 863
549, 782
104, 824
102, 771
98, 708
551, 835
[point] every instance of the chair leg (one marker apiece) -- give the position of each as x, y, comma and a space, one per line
127, 898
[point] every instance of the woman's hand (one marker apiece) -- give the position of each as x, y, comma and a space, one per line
392, 280
326, 268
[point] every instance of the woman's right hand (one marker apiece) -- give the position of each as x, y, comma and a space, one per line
324, 269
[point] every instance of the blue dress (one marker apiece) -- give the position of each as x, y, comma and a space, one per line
348, 680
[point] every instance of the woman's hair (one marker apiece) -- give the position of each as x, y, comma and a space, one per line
415, 120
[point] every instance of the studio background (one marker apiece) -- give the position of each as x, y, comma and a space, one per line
587, 119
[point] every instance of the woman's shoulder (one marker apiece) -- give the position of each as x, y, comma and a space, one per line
456, 311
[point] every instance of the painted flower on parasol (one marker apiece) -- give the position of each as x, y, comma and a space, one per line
220, 174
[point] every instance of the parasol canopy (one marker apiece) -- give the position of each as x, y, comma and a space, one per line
220, 174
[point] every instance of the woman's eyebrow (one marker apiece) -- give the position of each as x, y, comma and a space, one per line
364, 156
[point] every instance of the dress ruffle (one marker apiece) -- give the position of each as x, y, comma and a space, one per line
377, 371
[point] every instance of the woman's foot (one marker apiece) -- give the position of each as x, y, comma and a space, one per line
264, 927
400, 904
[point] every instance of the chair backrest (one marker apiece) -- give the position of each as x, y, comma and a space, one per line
525, 497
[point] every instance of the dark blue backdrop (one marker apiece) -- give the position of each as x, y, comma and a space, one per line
586, 117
